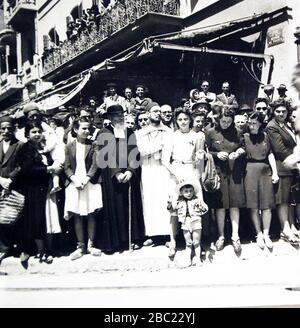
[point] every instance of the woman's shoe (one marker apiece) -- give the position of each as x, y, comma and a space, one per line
220, 243
196, 261
77, 254
260, 241
172, 253
296, 233
135, 246
293, 240
148, 242
24, 258
237, 246
268, 242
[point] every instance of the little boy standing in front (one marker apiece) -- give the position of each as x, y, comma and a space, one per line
190, 208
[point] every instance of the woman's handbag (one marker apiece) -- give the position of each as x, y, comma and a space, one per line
210, 179
11, 207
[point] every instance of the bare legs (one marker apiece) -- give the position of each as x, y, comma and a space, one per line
193, 239
79, 230
235, 219
262, 226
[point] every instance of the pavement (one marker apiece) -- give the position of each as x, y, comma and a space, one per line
147, 278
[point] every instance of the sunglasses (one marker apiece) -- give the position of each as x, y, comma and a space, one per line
261, 108
142, 119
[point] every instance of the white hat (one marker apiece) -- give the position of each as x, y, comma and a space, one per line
185, 182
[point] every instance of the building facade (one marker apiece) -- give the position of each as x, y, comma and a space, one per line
54, 50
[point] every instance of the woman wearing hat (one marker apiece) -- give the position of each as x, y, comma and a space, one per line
118, 158
225, 144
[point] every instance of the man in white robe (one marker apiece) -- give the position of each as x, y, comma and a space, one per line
155, 177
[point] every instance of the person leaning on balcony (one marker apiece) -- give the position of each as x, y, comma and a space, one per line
112, 98
141, 101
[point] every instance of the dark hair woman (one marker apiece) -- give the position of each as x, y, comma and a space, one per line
35, 176
261, 174
283, 141
225, 144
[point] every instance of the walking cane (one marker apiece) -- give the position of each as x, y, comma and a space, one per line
129, 217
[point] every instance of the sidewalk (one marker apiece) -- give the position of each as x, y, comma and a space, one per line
129, 269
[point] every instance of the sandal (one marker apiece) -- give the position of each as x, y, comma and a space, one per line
220, 243
268, 242
148, 242
172, 253
260, 241
289, 239
237, 246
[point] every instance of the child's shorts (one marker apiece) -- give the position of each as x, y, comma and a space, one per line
191, 225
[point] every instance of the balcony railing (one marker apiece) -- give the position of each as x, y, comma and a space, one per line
15, 5
111, 21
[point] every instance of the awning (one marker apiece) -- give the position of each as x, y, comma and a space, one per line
194, 40
55, 97
62, 93
201, 40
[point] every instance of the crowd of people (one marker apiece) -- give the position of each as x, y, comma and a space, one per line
129, 173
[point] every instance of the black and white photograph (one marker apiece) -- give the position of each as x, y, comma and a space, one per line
149, 156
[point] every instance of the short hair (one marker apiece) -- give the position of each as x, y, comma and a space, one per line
76, 124
225, 112
31, 125
166, 106
205, 81
259, 99
185, 111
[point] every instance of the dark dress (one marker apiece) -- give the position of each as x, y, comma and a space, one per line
232, 192
35, 181
282, 143
114, 227
258, 181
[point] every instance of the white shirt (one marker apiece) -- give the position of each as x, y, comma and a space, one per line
6, 145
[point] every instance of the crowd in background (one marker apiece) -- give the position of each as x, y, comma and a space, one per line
152, 188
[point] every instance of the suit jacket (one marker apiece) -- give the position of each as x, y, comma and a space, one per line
230, 100
10, 162
282, 145
90, 161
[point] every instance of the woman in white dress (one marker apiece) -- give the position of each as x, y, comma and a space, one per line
84, 193
183, 156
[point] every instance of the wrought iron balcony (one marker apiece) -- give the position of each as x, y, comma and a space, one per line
17, 8
114, 19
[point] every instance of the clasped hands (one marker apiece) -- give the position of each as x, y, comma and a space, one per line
80, 183
224, 156
124, 177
